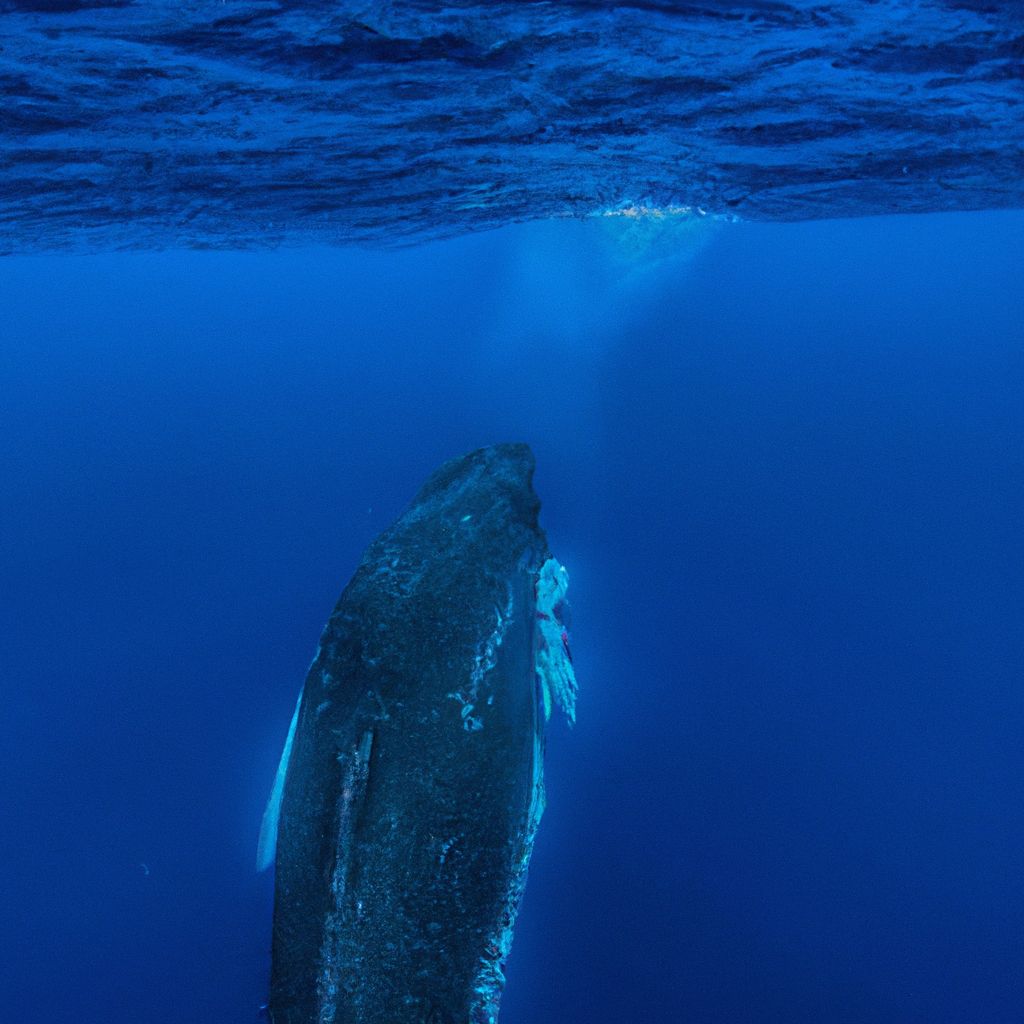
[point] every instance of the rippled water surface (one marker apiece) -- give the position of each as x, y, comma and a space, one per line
238, 123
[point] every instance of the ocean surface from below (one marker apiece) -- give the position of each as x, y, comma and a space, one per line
266, 122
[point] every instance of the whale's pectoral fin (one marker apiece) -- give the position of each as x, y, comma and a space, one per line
553, 658
266, 848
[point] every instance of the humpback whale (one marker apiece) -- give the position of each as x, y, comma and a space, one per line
411, 787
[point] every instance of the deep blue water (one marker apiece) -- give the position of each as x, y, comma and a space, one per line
784, 464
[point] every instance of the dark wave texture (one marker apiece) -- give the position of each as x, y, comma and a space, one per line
149, 124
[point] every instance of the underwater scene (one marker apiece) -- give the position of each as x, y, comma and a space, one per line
512, 512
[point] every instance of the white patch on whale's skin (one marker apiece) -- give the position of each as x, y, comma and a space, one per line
267, 846
484, 659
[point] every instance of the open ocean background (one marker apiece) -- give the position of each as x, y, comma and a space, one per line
784, 464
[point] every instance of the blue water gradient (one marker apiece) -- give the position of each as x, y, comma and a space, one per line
786, 472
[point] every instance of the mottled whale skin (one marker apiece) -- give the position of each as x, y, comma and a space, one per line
414, 782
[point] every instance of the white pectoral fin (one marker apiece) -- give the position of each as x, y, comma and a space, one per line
553, 661
267, 846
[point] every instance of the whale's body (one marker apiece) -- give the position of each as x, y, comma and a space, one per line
413, 785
